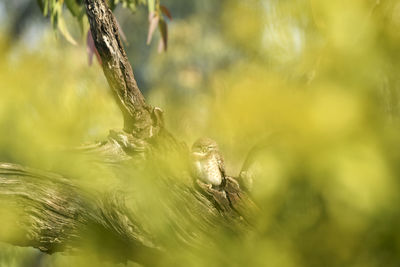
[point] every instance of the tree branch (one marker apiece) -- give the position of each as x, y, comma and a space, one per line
49, 212
139, 118
54, 214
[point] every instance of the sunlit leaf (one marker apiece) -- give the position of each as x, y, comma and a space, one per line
153, 22
64, 31
151, 6
45, 7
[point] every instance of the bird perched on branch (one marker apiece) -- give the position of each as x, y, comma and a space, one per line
208, 164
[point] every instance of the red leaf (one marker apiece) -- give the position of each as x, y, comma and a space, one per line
153, 21
165, 11
91, 49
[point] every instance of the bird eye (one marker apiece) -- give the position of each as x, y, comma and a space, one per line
204, 149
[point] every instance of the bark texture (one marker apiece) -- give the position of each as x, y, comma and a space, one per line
139, 118
53, 213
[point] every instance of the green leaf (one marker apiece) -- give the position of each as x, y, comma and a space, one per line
41, 5
55, 9
83, 24
111, 4
74, 7
45, 7
132, 6
62, 27
162, 25
151, 5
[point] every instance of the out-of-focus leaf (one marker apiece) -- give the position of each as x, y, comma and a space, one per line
129, 4
165, 11
151, 6
83, 24
162, 25
45, 7
55, 12
41, 5
153, 22
121, 33
64, 31
73, 7
111, 4
91, 49
132, 6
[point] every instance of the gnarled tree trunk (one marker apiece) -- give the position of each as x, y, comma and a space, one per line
53, 213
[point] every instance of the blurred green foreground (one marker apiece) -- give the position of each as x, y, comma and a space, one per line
313, 84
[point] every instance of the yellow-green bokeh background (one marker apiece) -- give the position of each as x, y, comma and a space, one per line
316, 83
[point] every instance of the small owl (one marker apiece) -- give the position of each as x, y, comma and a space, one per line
208, 164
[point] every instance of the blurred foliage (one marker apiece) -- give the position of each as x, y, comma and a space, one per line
67, 101
54, 10
312, 85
